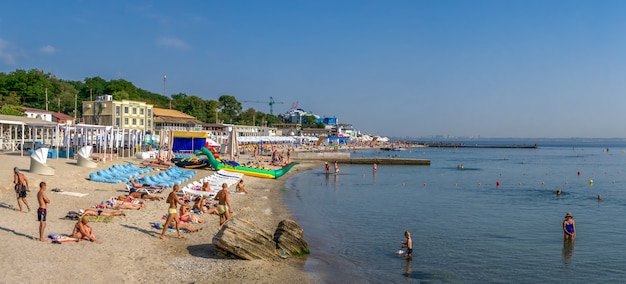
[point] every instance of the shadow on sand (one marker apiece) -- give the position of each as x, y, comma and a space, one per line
203, 251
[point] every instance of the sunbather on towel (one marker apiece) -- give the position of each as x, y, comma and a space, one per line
205, 186
84, 231
187, 216
99, 212
144, 185
143, 195
181, 226
200, 204
132, 200
113, 203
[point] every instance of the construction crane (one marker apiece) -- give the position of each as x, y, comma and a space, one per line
272, 102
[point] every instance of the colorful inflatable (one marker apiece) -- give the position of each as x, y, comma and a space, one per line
234, 167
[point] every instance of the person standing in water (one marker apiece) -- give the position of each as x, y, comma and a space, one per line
569, 227
408, 244
336, 167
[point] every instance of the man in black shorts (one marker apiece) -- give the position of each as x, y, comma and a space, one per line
42, 211
21, 187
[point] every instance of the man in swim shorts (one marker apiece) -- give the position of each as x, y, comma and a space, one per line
408, 244
42, 211
223, 205
172, 212
21, 187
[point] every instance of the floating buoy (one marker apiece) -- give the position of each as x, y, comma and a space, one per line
590, 182
498, 183
578, 173
424, 184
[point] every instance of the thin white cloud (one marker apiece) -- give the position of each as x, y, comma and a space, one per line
8, 55
48, 49
172, 42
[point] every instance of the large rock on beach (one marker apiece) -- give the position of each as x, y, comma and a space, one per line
243, 239
289, 238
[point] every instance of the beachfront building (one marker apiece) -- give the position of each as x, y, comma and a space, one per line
38, 113
49, 116
124, 114
62, 118
170, 119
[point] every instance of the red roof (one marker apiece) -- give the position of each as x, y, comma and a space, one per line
59, 115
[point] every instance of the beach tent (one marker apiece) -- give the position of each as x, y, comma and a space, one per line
188, 140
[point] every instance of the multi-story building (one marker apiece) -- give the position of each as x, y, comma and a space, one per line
125, 114
170, 119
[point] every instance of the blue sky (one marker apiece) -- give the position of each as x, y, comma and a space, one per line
392, 68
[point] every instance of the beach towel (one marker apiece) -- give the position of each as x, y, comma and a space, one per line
159, 226
62, 238
101, 219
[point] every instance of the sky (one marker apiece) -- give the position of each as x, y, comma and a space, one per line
518, 69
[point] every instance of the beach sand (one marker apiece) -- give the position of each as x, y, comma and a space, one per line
130, 250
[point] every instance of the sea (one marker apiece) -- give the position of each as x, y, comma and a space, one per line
496, 219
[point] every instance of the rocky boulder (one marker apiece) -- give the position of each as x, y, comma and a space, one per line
243, 239
289, 238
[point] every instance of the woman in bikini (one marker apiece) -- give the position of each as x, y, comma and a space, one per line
187, 216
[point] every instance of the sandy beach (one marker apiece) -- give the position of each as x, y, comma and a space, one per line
130, 250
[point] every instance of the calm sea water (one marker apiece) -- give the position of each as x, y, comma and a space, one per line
464, 227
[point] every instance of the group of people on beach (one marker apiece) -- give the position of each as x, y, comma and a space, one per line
134, 200
223, 209
82, 230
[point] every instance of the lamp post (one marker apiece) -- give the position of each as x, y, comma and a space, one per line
164, 93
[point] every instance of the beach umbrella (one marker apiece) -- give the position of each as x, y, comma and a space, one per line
232, 144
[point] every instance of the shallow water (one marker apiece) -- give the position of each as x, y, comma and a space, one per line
464, 227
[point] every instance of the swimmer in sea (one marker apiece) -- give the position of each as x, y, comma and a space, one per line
569, 227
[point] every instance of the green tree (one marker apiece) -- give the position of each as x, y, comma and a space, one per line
212, 106
231, 108
12, 110
248, 117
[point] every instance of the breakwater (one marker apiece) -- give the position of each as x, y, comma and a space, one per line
456, 145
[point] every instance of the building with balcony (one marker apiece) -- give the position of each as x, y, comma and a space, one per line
170, 119
125, 114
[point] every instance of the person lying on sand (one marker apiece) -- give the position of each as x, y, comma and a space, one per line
113, 203
99, 212
143, 195
132, 200
144, 185
84, 231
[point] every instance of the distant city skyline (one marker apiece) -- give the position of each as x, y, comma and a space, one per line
488, 68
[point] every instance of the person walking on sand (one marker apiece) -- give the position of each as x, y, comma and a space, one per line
21, 187
569, 227
408, 244
42, 211
172, 212
223, 205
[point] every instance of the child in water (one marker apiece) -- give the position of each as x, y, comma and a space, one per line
408, 244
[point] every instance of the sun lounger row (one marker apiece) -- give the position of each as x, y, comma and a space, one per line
169, 178
118, 173
215, 182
